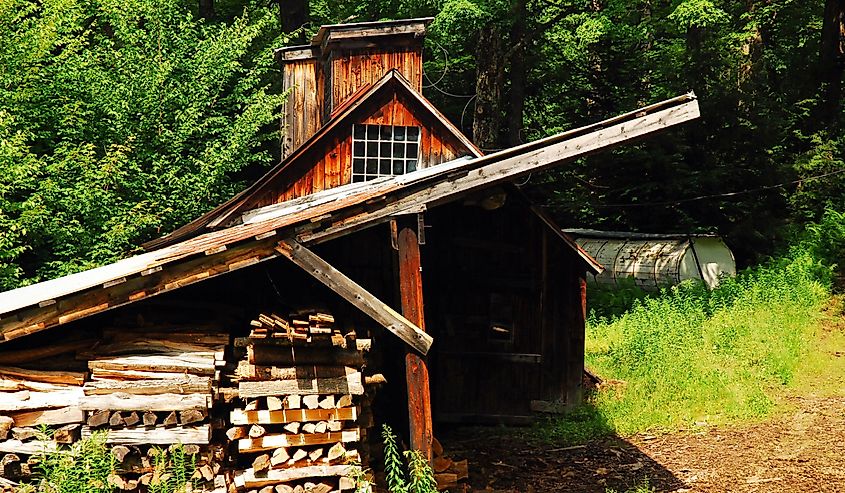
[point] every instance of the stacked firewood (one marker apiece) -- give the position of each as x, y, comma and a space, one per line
151, 391
451, 475
299, 386
38, 410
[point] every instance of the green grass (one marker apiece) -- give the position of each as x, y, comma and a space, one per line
693, 357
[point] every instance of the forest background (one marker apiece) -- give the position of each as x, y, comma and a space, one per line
121, 120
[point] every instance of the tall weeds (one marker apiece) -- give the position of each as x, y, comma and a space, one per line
692, 355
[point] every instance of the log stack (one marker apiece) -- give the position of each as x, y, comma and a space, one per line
152, 391
450, 474
296, 425
38, 411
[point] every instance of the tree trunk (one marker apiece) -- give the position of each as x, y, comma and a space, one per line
487, 121
206, 9
831, 59
517, 76
293, 14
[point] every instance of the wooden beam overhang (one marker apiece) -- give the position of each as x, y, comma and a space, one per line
311, 220
352, 292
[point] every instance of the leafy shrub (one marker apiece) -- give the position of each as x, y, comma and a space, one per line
414, 467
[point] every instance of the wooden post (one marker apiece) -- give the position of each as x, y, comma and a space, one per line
416, 370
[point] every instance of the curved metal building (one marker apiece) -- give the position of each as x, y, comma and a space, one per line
655, 260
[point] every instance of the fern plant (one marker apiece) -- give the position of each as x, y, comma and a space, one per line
420, 476
172, 470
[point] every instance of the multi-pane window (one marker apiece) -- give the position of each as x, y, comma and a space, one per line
383, 150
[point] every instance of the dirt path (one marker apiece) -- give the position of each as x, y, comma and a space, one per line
802, 451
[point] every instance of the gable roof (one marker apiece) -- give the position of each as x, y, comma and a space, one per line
295, 164
316, 218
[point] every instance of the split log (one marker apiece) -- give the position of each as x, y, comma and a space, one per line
445, 481
344, 401
31, 447
293, 401
54, 377
274, 403
116, 419
460, 468
23, 434
10, 466
280, 456
157, 436
268, 442
292, 427
297, 456
131, 419
196, 363
319, 488
191, 416
283, 488
236, 432
185, 384
67, 434
60, 416
6, 424
321, 427
256, 431
309, 428
98, 418
132, 402
170, 419
150, 418
248, 478
29, 401
337, 451
120, 452
241, 417
261, 463
327, 402
251, 405
335, 425
441, 464
311, 401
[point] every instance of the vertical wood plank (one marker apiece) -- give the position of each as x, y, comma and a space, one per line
416, 369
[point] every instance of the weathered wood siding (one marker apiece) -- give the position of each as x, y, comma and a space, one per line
333, 162
303, 111
500, 268
351, 70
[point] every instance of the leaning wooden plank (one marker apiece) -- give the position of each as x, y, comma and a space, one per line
199, 364
248, 478
355, 294
199, 435
268, 442
31, 447
132, 402
28, 401
349, 384
56, 377
61, 416
241, 417
186, 384
147, 346
191, 335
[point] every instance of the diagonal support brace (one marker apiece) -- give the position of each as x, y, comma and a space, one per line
355, 294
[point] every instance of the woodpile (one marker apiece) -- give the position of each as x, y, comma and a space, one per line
296, 426
38, 411
452, 475
151, 391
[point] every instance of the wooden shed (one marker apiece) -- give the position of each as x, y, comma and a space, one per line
383, 248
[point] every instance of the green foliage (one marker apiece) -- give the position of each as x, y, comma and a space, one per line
694, 355
120, 121
89, 466
642, 487
85, 466
415, 467
577, 426
612, 301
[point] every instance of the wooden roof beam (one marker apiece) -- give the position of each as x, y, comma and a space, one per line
352, 292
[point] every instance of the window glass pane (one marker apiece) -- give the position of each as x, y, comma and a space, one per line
372, 149
384, 167
359, 132
372, 132
411, 165
386, 132
412, 150
372, 166
399, 150
358, 149
398, 167
358, 165
385, 149
413, 133
357, 178
399, 133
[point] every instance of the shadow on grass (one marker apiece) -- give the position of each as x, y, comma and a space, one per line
577, 452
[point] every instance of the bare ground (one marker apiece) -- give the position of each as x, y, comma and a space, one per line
798, 451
